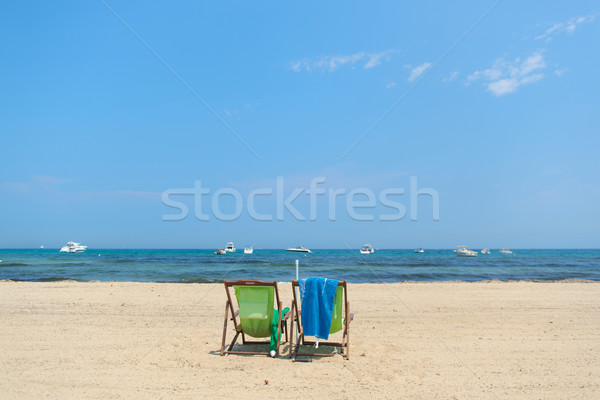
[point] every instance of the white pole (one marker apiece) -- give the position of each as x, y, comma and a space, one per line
297, 327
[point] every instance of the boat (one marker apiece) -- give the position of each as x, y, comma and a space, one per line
73, 247
367, 249
419, 250
229, 247
505, 251
219, 252
298, 249
486, 251
248, 250
463, 251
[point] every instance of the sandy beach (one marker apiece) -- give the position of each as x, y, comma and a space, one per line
448, 340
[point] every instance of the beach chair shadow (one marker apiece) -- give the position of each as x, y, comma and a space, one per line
252, 315
340, 321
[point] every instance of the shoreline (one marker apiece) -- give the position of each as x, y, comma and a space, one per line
567, 280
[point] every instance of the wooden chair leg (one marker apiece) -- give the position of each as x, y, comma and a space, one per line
225, 327
292, 332
233, 341
347, 331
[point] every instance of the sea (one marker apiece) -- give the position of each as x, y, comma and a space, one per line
202, 266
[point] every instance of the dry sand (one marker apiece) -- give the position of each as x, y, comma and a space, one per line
451, 340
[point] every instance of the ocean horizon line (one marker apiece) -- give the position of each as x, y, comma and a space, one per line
311, 248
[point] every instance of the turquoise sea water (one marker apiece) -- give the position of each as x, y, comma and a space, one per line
383, 265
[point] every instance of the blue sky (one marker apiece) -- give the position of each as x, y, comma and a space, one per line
95, 125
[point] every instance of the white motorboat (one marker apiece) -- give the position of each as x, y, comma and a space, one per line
419, 250
505, 251
463, 251
299, 249
367, 249
229, 247
248, 250
73, 247
486, 251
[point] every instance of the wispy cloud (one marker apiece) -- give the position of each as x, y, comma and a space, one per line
45, 182
390, 85
568, 26
560, 72
507, 76
332, 63
237, 112
51, 185
453, 75
50, 180
418, 71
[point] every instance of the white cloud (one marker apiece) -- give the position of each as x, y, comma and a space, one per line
568, 26
453, 75
560, 72
503, 86
390, 85
375, 59
506, 77
332, 63
531, 79
418, 71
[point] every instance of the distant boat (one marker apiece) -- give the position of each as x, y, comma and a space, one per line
42, 246
367, 249
73, 247
463, 251
486, 251
505, 251
419, 250
229, 247
219, 252
299, 249
248, 250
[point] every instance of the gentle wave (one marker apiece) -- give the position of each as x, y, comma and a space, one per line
12, 264
201, 266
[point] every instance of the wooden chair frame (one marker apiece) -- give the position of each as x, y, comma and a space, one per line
297, 318
229, 307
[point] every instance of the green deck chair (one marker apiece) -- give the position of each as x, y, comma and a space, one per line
257, 317
340, 321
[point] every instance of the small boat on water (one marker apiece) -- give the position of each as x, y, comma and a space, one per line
367, 249
298, 249
73, 247
229, 247
486, 251
419, 250
463, 251
248, 250
219, 252
505, 251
